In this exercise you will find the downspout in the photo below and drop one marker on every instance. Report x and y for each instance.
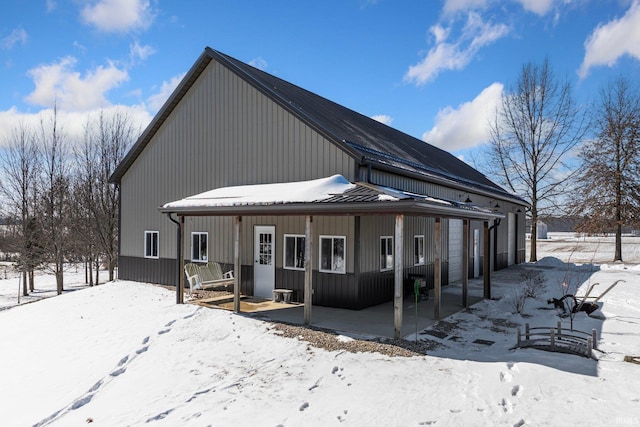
(179, 292)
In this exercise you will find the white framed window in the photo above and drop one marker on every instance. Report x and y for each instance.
(418, 250)
(333, 251)
(151, 239)
(294, 252)
(199, 246)
(386, 253)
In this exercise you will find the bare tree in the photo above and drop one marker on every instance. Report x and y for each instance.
(20, 166)
(107, 140)
(609, 180)
(55, 206)
(536, 125)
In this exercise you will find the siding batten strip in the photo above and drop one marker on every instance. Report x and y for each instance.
(398, 273)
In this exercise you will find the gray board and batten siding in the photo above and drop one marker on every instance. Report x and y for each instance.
(230, 124)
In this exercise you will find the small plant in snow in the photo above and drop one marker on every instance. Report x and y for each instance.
(534, 284)
(517, 300)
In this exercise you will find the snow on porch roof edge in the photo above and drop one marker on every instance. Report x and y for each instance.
(333, 195)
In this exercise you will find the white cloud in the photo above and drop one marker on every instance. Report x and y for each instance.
(383, 118)
(453, 6)
(608, 42)
(51, 5)
(16, 36)
(118, 15)
(466, 126)
(156, 101)
(71, 122)
(539, 7)
(139, 52)
(58, 83)
(259, 63)
(457, 54)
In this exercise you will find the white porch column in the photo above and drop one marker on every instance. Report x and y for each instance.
(308, 269)
(237, 264)
(486, 269)
(398, 274)
(465, 261)
(437, 270)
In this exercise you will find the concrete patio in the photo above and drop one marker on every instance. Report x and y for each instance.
(377, 321)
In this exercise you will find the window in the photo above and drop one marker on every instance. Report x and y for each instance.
(332, 254)
(151, 244)
(293, 252)
(199, 246)
(418, 250)
(386, 253)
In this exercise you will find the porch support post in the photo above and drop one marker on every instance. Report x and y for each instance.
(486, 265)
(308, 269)
(398, 260)
(180, 284)
(237, 265)
(465, 261)
(437, 270)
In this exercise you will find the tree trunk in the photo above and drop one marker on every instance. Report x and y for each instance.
(97, 270)
(533, 256)
(59, 276)
(31, 280)
(618, 254)
(111, 269)
(25, 290)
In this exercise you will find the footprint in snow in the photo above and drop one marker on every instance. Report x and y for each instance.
(516, 390)
(506, 377)
(304, 406)
(507, 406)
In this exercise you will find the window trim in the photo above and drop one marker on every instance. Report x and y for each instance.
(295, 256)
(417, 255)
(386, 266)
(200, 233)
(148, 252)
(344, 249)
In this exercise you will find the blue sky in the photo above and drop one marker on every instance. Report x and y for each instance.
(433, 69)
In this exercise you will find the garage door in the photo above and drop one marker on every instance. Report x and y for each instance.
(455, 250)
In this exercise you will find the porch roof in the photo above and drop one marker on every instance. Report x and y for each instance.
(333, 195)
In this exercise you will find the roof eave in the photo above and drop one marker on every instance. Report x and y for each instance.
(408, 207)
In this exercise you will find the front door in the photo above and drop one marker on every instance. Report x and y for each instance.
(264, 261)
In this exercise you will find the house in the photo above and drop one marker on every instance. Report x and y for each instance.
(401, 207)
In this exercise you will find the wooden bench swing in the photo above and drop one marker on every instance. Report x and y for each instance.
(207, 276)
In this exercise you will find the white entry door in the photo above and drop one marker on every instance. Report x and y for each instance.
(264, 261)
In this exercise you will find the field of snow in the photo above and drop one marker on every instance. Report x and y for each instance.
(124, 353)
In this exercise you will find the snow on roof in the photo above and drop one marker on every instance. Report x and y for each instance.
(267, 194)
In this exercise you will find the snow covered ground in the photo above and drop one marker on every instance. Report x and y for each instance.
(124, 354)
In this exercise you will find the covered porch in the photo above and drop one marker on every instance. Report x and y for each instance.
(336, 196)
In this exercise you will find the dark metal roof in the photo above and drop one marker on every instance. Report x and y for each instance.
(365, 139)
